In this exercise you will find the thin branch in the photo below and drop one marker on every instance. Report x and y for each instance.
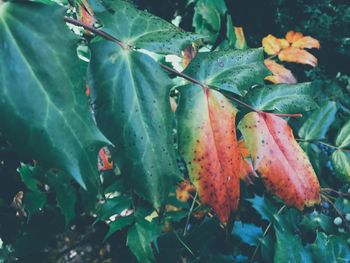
(167, 68)
(97, 32)
(183, 243)
(288, 114)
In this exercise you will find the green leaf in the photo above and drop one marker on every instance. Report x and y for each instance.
(34, 202)
(27, 173)
(66, 201)
(43, 109)
(235, 37)
(232, 70)
(140, 236)
(343, 137)
(140, 29)
(207, 18)
(341, 162)
(131, 95)
(264, 207)
(330, 249)
(267, 247)
(316, 220)
(317, 125)
(316, 156)
(288, 248)
(284, 98)
(113, 206)
(118, 224)
(248, 233)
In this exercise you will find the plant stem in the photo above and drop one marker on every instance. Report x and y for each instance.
(326, 144)
(167, 68)
(189, 214)
(288, 114)
(97, 32)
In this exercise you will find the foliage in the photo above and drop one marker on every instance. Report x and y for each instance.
(85, 106)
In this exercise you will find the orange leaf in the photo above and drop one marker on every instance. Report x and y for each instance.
(247, 171)
(297, 55)
(306, 42)
(184, 190)
(208, 144)
(292, 36)
(280, 73)
(271, 45)
(188, 54)
(240, 42)
(105, 161)
(173, 104)
(283, 43)
(279, 159)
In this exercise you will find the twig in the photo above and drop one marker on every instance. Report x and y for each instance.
(96, 31)
(167, 68)
(190, 213)
(183, 243)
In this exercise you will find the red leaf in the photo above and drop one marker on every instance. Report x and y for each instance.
(208, 144)
(280, 161)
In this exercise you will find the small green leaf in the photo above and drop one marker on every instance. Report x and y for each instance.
(140, 236)
(284, 98)
(317, 125)
(66, 201)
(207, 18)
(28, 177)
(231, 70)
(316, 220)
(113, 206)
(248, 233)
(118, 224)
(288, 248)
(34, 202)
(330, 249)
(141, 29)
(343, 138)
(264, 207)
(316, 156)
(341, 162)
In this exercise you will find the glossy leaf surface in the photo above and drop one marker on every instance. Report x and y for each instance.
(317, 125)
(141, 29)
(207, 142)
(279, 159)
(43, 108)
(284, 98)
(232, 70)
(132, 108)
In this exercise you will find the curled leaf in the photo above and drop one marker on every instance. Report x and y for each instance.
(271, 45)
(105, 161)
(188, 54)
(280, 161)
(240, 41)
(293, 54)
(293, 36)
(306, 42)
(208, 145)
(280, 73)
